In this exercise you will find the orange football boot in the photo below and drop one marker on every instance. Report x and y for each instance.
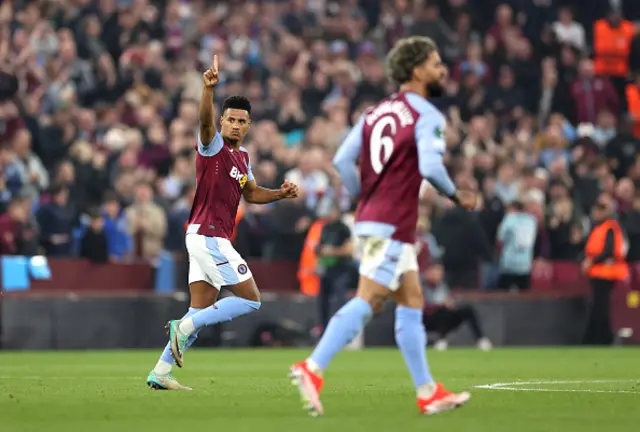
(442, 400)
(309, 385)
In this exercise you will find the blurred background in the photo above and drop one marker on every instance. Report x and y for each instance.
(98, 121)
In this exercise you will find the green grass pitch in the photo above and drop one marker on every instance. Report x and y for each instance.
(246, 390)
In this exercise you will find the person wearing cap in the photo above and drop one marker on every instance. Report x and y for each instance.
(605, 264)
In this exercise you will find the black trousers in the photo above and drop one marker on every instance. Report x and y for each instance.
(620, 84)
(444, 320)
(598, 330)
(462, 277)
(335, 283)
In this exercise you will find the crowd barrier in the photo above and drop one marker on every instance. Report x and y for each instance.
(75, 275)
(92, 321)
(80, 276)
(65, 277)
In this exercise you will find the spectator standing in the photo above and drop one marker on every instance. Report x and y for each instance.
(591, 93)
(335, 264)
(119, 241)
(11, 227)
(612, 38)
(94, 244)
(564, 230)
(517, 240)
(147, 224)
(12, 174)
(465, 247)
(310, 176)
(605, 265)
(35, 177)
(289, 221)
(569, 31)
(56, 222)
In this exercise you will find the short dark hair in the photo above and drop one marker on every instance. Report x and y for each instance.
(406, 55)
(237, 102)
(94, 213)
(110, 196)
(517, 205)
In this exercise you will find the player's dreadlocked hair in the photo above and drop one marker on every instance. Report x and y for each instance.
(406, 55)
(237, 102)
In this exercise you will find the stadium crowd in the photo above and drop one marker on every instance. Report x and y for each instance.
(98, 117)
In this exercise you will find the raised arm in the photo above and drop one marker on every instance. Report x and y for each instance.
(207, 122)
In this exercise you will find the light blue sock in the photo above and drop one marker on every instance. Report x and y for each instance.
(412, 341)
(343, 327)
(224, 310)
(166, 354)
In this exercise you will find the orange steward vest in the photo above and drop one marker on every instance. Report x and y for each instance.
(633, 103)
(307, 276)
(611, 48)
(239, 216)
(616, 268)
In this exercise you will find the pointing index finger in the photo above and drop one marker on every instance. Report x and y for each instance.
(215, 63)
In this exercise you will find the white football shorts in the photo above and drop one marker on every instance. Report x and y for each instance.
(214, 260)
(385, 260)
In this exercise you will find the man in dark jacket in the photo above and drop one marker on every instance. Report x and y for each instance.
(56, 223)
(94, 246)
(465, 246)
(290, 220)
(335, 263)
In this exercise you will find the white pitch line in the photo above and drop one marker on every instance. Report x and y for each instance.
(515, 386)
(45, 378)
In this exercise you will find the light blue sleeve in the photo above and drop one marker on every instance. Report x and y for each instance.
(431, 147)
(250, 172)
(214, 146)
(345, 159)
(502, 229)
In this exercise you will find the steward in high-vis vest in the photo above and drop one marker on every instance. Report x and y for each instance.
(605, 265)
(611, 44)
(307, 275)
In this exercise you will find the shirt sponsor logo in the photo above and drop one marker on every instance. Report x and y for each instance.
(238, 176)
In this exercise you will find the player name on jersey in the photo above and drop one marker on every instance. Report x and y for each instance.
(399, 108)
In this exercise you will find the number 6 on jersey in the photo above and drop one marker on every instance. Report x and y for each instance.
(382, 142)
